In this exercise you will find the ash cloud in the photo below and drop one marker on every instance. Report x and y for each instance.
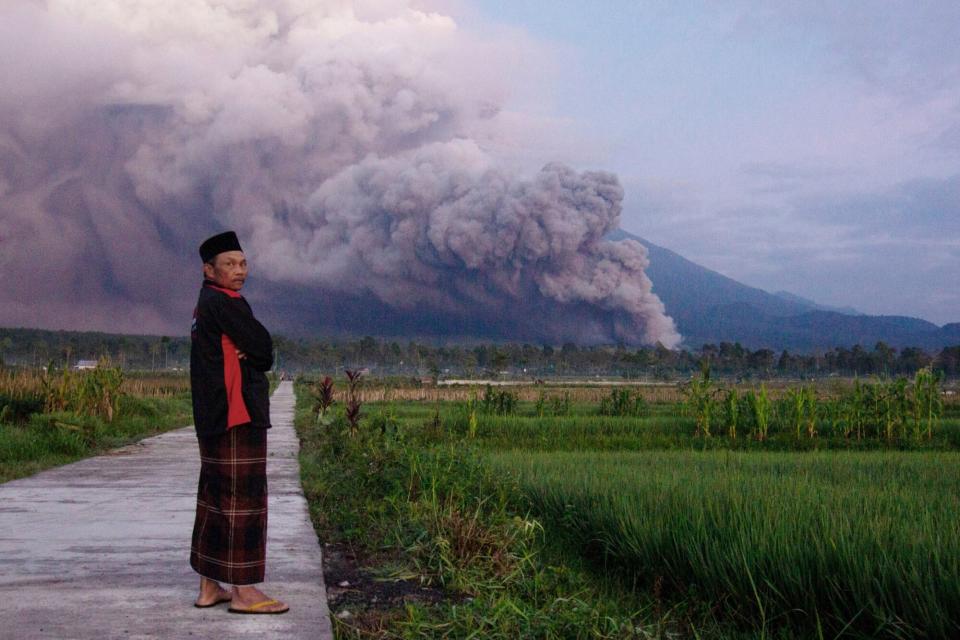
(349, 143)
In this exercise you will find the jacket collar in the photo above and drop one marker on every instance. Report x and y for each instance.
(209, 284)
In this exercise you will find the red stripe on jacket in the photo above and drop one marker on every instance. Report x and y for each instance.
(237, 413)
(236, 408)
(229, 292)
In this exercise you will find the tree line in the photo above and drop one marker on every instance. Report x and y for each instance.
(37, 348)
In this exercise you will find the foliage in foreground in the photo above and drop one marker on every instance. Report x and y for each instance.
(841, 542)
(429, 507)
(48, 420)
(693, 540)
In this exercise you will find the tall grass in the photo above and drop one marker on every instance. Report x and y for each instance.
(412, 498)
(847, 542)
(51, 418)
(718, 531)
(664, 428)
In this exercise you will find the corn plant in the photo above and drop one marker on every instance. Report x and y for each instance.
(873, 409)
(700, 394)
(927, 402)
(622, 402)
(836, 415)
(500, 402)
(95, 392)
(802, 408)
(472, 424)
(469, 409)
(561, 405)
(811, 412)
(759, 403)
(102, 389)
(731, 412)
(899, 406)
(856, 405)
(796, 401)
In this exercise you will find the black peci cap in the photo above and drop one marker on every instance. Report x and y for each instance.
(226, 241)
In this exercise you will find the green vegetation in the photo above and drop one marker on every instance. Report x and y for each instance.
(851, 542)
(892, 410)
(48, 419)
(423, 506)
(808, 511)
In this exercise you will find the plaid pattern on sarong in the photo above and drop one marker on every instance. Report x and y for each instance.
(230, 530)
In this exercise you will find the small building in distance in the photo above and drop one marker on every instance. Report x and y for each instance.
(85, 365)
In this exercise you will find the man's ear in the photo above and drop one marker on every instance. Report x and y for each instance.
(208, 271)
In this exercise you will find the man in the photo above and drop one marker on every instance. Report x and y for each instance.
(230, 352)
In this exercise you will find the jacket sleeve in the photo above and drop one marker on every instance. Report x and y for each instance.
(235, 319)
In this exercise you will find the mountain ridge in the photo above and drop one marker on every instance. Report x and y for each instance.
(709, 307)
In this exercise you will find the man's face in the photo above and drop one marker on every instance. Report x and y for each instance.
(229, 270)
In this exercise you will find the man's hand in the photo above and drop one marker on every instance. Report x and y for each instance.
(241, 354)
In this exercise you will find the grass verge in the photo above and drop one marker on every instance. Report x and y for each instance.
(406, 504)
(46, 440)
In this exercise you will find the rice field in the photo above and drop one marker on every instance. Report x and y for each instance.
(821, 531)
(864, 542)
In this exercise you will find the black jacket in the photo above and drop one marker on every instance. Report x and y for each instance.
(228, 391)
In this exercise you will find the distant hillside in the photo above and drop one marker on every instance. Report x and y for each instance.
(710, 307)
(814, 306)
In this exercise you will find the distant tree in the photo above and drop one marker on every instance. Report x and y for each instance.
(761, 361)
(912, 359)
(480, 353)
(368, 348)
(784, 362)
(6, 344)
(884, 357)
(948, 361)
(469, 361)
(396, 353)
(499, 360)
(164, 342)
(568, 348)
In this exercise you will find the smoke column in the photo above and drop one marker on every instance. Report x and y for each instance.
(350, 144)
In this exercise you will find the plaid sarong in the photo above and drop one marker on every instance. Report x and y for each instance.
(230, 530)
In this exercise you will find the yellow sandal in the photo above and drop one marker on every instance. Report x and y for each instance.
(255, 608)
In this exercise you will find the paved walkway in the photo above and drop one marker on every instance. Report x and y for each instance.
(100, 548)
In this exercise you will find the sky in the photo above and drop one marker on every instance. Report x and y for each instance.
(452, 166)
(812, 147)
(363, 151)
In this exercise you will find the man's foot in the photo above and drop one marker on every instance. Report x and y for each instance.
(211, 593)
(249, 599)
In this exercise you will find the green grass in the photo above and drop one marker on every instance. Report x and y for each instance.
(419, 504)
(663, 426)
(48, 440)
(864, 542)
(615, 527)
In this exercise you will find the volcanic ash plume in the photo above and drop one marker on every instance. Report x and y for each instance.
(351, 144)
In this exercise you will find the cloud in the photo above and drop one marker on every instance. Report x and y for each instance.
(891, 252)
(818, 155)
(353, 145)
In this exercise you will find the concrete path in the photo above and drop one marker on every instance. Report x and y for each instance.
(100, 548)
